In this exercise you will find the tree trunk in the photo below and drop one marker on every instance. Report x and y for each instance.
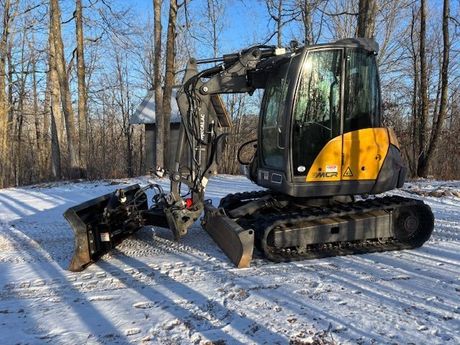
(3, 99)
(55, 111)
(21, 83)
(279, 23)
(307, 20)
(40, 153)
(423, 116)
(157, 87)
(66, 99)
(426, 159)
(366, 18)
(213, 15)
(82, 93)
(414, 124)
(46, 133)
(169, 75)
(55, 149)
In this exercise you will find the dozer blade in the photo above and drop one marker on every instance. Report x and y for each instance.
(237, 243)
(102, 223)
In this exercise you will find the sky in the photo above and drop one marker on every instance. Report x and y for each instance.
(245, 22)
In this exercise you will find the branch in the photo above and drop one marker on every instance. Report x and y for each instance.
(455, 20)
(69, 20)
(94, 40)
(27, 10)
(269, 38)
(74, 54)
(338, 14)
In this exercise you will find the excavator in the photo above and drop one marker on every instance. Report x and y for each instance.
(321, 154)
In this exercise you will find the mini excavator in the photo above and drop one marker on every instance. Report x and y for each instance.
(321, 153)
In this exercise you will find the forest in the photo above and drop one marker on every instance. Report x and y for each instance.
(73, 72)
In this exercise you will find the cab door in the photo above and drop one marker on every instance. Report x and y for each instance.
(273, 119)
(364, 144)
(316, 114)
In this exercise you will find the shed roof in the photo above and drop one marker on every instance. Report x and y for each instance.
(145, 112)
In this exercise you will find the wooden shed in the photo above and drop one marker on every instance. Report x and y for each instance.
(145, 115)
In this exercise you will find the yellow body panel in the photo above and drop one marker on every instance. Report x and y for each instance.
(356, 155)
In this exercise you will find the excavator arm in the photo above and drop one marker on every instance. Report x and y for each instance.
(203, 115)
(102, 223)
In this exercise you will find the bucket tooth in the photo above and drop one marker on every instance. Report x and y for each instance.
(94, 234)
(236, 242)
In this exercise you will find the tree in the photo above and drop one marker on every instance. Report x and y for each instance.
(366, 18)
(169, 73)
(307, 10)
(424, 101)
(275, 10)
(82, 93)
(123, 100)
(54, 109)
(66, 99)
(4, 104)
(428, 148)
(160, 123)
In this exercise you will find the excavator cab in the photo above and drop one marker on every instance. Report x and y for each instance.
(320, 144)
(320, 122)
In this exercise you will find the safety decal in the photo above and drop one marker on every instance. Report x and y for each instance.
(332, 168)
(348, 173)
(105, 237)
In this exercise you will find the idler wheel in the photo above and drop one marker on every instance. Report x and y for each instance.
(413, 225)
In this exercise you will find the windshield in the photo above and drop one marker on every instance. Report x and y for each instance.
(317, 106)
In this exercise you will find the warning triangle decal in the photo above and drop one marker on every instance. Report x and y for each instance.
(348, 172)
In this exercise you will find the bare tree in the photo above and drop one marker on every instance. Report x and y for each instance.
(123, 100)
(366, 18)
(427, 153)
(214, 10)
(341, 18)
(169, 73)
(66, 100)
(55, 110)
(282, 13)
(82, 93)
(20, 114)
(4, 106)
(160, 123)
(41, 150)
(308, 8)
(424, 101)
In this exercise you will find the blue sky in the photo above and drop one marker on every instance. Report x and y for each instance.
(245, 22)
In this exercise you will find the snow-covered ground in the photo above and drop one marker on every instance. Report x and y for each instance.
(153, 290)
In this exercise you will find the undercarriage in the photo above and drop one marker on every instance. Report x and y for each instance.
(280, 227)
(288, 229)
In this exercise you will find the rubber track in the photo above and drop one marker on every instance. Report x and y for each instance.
(232, 201)
(270, 220)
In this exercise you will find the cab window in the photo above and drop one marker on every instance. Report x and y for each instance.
(317, 106)
(273, 118)
(362, 96)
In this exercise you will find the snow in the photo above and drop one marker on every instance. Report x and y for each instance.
(152, 290)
